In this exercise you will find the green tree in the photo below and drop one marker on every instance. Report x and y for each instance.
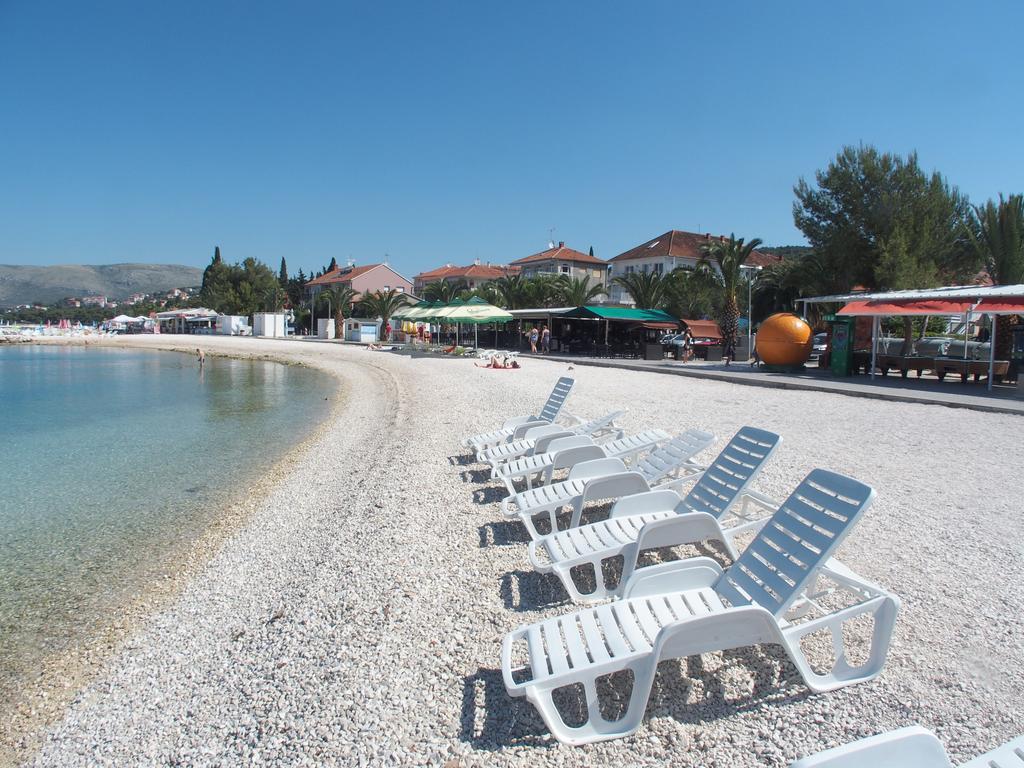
(342, 296)
(729, 256)
(217, 290)
(543, 291)
(692, 293)
(577, 291)
(332, 266)
(383, 304)
(877, 220)
(282, 275)
(997, 235)
(514, 291)
(646, 288)
(445, 291)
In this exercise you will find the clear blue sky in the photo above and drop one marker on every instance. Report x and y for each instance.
(434, 132)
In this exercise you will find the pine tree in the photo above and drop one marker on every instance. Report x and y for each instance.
(591, 250)
(216, 254)
(282, 276)
(333, 266)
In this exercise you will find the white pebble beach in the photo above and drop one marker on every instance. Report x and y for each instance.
(356, 616)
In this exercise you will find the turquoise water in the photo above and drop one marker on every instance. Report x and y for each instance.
(113, 461)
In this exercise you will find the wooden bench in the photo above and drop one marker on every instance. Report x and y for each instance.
(968, 368)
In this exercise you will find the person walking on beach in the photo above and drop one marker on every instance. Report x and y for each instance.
(730, 349)
(545, 340)
(201, 357)
(534, 335)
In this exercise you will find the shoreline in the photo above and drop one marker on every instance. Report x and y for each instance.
(45, 695)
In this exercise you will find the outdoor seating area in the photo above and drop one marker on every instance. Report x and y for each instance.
(780, 583)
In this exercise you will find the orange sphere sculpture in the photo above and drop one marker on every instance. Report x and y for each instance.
(784, 339)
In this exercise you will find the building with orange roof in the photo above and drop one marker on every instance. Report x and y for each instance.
(561, 260)
(368, 278)
(666, 252)
(475, 275)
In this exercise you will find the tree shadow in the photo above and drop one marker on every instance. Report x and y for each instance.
(531, 591)
(503, 534)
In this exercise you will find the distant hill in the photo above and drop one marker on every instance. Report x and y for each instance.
(21, 285)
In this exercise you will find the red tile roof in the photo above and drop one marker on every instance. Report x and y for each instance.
(472, 272)
(341, 275)
(687, 245)
(561, 253)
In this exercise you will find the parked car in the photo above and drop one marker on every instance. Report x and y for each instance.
(819, 345)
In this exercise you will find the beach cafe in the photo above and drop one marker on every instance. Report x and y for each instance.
(856, 342)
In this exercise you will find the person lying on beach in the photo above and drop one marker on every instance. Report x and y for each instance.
(374, 347)
(495, 362)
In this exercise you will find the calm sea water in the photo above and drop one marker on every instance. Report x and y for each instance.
(112, 462)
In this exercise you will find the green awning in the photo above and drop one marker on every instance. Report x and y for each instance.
(626, 314)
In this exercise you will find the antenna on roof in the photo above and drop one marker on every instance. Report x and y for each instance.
(551, 237)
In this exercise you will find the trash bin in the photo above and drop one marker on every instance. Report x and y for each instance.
(678, 352)
(714, 353)
(654, 351)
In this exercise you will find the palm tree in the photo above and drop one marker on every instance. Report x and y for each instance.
(488, 292)
(692, 293)
(382, 304)
(341, 296)
(513, 291)
(444, 290)
(729, 256)
(997, 233)
(646, 288)
(575, 291)
(543, 291)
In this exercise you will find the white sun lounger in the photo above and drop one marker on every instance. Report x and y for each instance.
(513, 428)
(605, 479)
(663, 519)
(567, 452)
(689, 607)
(531, 442)
(913, 747)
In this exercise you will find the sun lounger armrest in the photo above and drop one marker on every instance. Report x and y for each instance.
(526, 426)
(675, 576)
(689, 528)
(852, 582)
(896, 749)
(646, 503)
(607, 487)
(517, 421)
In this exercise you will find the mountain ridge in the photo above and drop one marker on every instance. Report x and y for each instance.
(22, 284)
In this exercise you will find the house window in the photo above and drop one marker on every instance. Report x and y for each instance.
(629, 269)
(658, 268)
(565, 269)
(645, 268)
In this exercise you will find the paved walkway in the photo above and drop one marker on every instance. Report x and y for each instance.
(951, 393)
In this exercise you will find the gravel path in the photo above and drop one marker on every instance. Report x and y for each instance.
(356, 619)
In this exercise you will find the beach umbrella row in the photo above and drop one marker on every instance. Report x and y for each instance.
(474, 312)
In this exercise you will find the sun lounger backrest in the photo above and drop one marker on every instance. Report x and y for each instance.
(557, 399)
(663, 461)
(600, 424)
(731, 473)
(801, 536)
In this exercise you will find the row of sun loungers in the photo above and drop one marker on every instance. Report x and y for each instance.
(771, 593)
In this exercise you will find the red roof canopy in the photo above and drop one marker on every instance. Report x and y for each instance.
(993, 306)
(888, 308)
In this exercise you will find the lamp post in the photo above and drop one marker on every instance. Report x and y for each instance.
(750, 285)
